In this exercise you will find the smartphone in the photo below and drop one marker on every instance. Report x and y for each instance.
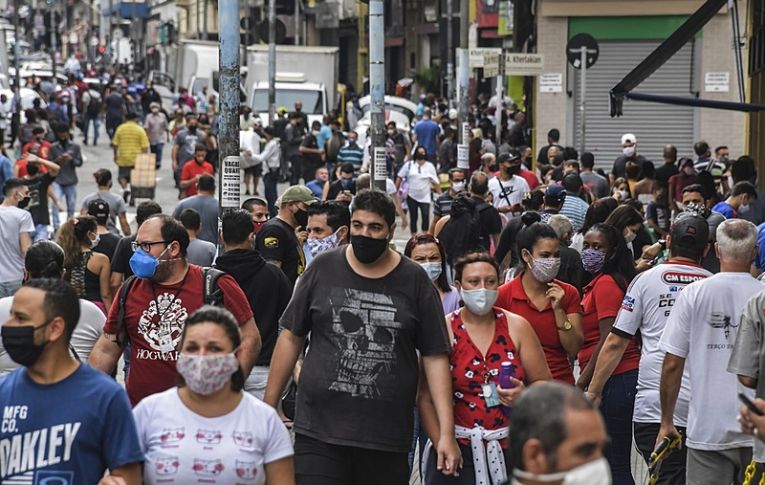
(748, 403)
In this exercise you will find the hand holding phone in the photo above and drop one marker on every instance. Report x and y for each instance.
(750, 405)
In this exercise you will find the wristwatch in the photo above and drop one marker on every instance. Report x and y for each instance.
(566, 326)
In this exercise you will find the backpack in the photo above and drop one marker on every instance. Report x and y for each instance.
(94, 106)
(462, 233)
(211, 293)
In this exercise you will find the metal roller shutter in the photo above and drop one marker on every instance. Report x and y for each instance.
(654, 125)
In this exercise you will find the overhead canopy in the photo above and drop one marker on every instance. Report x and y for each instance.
(660, 55)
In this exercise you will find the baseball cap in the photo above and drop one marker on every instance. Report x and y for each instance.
(555, 192)
(689, 231)
(509, 156)
(99, 209)
(628, 138)
(297, 193)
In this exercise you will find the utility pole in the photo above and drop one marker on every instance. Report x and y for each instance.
(450, 53)
(229, 170)
(54, 31)
(16, 64)
(377, 92)
(297, 22)
(204, 21)
(463, 76)
(271, 61)
(500, 98)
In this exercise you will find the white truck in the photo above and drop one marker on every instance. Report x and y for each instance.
(303, 73)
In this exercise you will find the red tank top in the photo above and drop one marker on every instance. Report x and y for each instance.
(470, 370)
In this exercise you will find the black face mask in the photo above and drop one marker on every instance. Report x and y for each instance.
(367, 249)
(23, 203)
(514, 169)
(33, 169)
(301, 218)
(192, 129)
(19, 342)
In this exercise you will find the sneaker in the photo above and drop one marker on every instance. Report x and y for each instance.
(126, 195)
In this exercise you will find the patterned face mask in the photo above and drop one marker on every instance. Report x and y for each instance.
(206, 374)
(318, 246)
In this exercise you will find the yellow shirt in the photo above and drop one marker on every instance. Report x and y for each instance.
(130, 140)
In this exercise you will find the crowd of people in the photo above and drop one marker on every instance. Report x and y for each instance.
(291, 341)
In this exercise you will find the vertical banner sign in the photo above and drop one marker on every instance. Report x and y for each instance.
(381, 171)
(463, 160)
(465, 133)
(230, 183)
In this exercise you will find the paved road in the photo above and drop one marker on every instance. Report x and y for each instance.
(101, 156)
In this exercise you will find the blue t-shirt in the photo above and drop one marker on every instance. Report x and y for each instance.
(316, 187)
(725, 209)
(67, 433)
(760, 261)
(427, 131)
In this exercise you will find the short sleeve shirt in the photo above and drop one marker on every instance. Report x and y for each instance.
(116, 206)
(13, 221)
(702, 329)
(277, 241)
(191, 170)
(121, 260)
(130, 140)
(602, 299)
(512, 297)
(68, 432)
(183, 447)
(359, 377)
(187, 142)
(38, 198)
(155, 316)
(508, 192)
(420, 179)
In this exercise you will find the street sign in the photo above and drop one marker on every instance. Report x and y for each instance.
(551, 83)
(230, 183)
(574, 50)
(463, 156)
(717, 82)
(381, 170)
(518, 64)
(478, 57)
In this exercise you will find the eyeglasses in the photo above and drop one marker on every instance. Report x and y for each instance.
(146, 246)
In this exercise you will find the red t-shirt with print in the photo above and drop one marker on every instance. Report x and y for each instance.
(154, 319)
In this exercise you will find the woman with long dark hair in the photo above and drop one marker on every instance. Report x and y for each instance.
(597, 212)
(606, 257)
(427, 251)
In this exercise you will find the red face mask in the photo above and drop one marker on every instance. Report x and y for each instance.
(257, 225)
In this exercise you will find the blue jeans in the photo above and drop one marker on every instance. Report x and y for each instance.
(68, 193)
(41, 233)
(86, 127)
(270, 179)
(157, 151)
(8, 288)
(616, 406)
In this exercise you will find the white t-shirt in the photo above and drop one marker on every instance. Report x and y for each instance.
(702, 328)
(420, 179)
(13, 221)
(509, 192)
(183, 447)
(645, 308)
(390, 187)
(89, 329)
(249, 140)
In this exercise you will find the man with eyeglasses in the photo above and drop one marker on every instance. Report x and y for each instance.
(166, 291)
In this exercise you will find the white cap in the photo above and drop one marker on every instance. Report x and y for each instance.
(452, 114)
(628, 138)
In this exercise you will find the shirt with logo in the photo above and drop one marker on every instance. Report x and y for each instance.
(277, 241)
(702, 329)
(155, 316)
(66, 433)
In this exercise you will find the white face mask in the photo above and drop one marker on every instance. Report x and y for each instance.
(593, 473)
(743, 209)
(624, 194)
(479, 301)
(630, 236)
(628, 151)
(433, 269)
(458, 186)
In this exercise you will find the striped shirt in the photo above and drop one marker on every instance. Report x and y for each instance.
(130, 140)
(351, 153)
(575, 209)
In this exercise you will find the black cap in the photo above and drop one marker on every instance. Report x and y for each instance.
(99, 209)
(689, 231)
(510, 156)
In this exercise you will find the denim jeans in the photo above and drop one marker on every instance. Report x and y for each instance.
(86, 127)
(66, 193)
(617, 406)
(41, 233)
(270, 179)
(8, 288)
(157, 151)
(256, 381)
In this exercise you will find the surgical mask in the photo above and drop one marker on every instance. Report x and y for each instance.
(545, 269)
(94, 242)
(318, 246)
(630, 236)
(368, 249)
(315, 132)
(143, 264)
(458, 186)
(433, 269)
(624, 194)
(351, 141)
(596, 472)
(628, 151)
(743, 209)
(155, 110)
(391, 132)
(479, 301)
(206, 374)
(593, 260)
(19, 342)
(689, 170)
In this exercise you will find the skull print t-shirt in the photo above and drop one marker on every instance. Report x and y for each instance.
(359, 377)
(183, 447)
(154, 319)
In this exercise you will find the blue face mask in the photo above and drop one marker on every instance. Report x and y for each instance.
(143, 264)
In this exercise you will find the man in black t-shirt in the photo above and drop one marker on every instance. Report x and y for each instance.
(311, 153)
(277, 239)
(38, 184)
(443, 205)
(368, 310)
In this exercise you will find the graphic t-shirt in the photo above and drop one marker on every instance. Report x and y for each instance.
(187, 142)
(702, 328)
(508, 192)
(183, 447)
(277, 241)
(38, 198)
(645, 309)
(154, 319)
(67, 433)
(359, 378)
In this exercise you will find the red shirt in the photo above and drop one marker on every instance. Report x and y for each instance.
(603, 299)
(530, 178)
(22, 163)
(190, 170)
(152, 368)
(470, 370)
(43, 152)
(512, 297)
